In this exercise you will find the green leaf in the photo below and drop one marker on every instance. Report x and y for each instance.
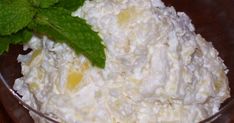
(71, 5)
(61, 26)
(46, 30)
(14, 15)
(5, 1)
(4, 46)
(43, 3)
(20, 37)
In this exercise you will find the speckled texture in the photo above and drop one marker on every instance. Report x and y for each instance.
(208, 23)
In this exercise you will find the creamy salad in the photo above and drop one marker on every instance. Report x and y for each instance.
(158, 70)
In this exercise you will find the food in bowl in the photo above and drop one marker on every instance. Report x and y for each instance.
(157, 69)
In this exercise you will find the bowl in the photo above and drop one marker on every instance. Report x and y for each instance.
(214, 20)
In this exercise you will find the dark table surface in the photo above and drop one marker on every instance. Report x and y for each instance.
(213, 19)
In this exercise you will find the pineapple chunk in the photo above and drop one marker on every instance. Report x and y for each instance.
(85, 66)
(218, 85)
(74, 78)
(33, 86)
(126, 15)
(34, 55)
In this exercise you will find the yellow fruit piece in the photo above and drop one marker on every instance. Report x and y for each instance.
(126, 15)
(218, 85)
(34, 55)
(33, 86)
(74, 78)
(85, 66)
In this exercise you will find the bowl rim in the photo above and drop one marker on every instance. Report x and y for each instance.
(25, 105)
(29, 108)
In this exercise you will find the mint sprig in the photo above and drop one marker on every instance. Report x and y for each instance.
(14, 15)
(52, 18)
(43, 3)
(54, 21)
(70, 4)
(20, 37)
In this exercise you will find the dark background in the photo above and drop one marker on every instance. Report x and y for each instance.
(213, 19)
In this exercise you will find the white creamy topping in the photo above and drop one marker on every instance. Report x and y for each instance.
(157, 69)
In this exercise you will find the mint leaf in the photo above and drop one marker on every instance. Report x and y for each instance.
(20, 37)
(61, 26)
(4, 46)
(5, 1)
(43, 3)
(71, 5)
(45, 29)
(14, 15)
(52, 18)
